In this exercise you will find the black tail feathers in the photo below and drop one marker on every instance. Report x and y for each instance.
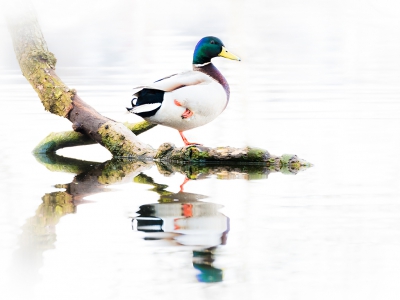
(133, 103)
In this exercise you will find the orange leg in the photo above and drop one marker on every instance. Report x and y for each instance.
(184, 182)
(187, 143)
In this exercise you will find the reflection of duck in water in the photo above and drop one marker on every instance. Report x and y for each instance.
(189, 222)
(203, 262)
(195, 222)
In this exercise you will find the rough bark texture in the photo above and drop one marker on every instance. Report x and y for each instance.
(168, 152)
(59, 140)
(227, 155)
(38, 67)
(36, 62)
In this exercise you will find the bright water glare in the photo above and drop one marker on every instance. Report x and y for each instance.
(319, 79)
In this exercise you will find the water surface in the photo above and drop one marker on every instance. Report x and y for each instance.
(319, 80)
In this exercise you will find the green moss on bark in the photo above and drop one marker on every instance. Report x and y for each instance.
(59, 140)
(257, 155)
(37, 66)
(168, 152)
(140, 127)
(113, 137)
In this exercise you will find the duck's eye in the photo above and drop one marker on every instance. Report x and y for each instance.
(212, 42)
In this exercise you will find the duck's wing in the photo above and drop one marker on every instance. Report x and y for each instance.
(176, 81)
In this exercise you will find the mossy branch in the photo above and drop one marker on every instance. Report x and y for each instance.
(200, 154)
(37, 64)
(59, 140)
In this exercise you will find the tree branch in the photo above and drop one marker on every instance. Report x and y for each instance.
(38, 67)
(168, 152)
(59, 140)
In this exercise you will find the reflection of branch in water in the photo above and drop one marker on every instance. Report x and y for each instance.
(38, 235)
(93, 179)
(39, 232)
(57, 163)
(166, 196)
(249, 171)
(177, 212)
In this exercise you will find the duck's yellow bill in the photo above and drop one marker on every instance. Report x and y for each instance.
(225, 53)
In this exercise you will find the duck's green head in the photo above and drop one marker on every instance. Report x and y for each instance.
(210, 47)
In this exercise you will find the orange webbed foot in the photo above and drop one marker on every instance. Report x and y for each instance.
(187, 114)
(187, 143)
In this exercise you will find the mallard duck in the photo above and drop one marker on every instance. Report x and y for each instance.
(190, 99)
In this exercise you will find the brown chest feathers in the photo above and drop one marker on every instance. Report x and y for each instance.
(213, 72)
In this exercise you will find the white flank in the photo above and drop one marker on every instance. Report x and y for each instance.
(145, 108)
